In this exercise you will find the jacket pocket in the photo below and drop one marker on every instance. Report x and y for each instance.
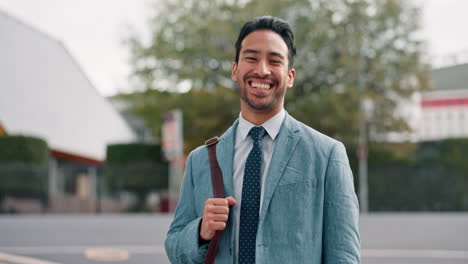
(295, 176)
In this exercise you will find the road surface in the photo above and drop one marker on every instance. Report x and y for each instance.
(411, 238)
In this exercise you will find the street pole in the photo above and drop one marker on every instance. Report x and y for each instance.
(173, 147)
(362, 157)
(362, 151)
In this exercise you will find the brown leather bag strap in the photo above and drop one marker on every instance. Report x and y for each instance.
(218, 192)
(216, 174)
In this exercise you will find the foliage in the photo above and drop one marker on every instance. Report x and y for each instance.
(23, 149)
(205, 113)
(137, 168)
(431, 176)
(342, 45)
(23, 167)
(453, 152)
(20, 179)
(123, 154)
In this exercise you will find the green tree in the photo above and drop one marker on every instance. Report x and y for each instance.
(192, 44)
(205, 113)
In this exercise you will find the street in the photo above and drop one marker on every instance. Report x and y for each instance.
(139, 238)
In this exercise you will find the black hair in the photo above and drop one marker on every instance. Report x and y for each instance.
(274, 24)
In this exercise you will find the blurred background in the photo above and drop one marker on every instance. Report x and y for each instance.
(101, 101)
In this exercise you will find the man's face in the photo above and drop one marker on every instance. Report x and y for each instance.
(262, 73)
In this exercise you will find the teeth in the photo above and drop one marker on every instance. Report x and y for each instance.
(263, 86)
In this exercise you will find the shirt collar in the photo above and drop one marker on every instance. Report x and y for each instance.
(272, 125)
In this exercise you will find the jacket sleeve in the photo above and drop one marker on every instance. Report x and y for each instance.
(182, 244)
(341, 241)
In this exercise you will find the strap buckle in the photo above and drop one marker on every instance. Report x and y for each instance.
(211, 141)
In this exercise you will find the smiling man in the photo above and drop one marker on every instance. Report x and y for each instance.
(289, 189)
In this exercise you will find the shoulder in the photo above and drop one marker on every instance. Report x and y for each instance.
(198, 155)
(313, 140)
(310, 135)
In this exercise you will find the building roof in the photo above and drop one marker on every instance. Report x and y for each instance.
(45, 93)
(451, 78)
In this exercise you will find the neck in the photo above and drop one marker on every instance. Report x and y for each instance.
(258, 117)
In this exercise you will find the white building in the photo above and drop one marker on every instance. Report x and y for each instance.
(444, 111)
(45, 93)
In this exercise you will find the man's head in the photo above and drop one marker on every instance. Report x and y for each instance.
(274, 24)
(263, 67)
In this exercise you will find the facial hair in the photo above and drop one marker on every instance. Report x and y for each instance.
(277, 95)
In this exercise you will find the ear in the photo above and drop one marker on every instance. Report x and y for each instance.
(234, 71)
(291, 76)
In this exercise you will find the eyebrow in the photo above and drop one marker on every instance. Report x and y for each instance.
(251, 51)
(276, 54)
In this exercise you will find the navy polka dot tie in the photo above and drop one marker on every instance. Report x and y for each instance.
(250, 204)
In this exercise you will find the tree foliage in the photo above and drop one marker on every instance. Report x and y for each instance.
(342, 45)
(205, 113)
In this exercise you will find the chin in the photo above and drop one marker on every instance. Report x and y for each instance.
(260, 107)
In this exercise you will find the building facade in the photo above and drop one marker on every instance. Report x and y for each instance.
(44, 93)
(444, 111)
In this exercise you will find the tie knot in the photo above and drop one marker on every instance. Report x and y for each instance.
(257, 133)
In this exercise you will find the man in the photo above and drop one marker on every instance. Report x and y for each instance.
(290, 194)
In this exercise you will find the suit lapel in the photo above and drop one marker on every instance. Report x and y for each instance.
(285, 145)
(225, 156)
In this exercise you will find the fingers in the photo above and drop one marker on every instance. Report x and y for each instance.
(219, 217)
(231, 201)
(218, 226)
(216, 209)
(228, 201)
(217, 201)
(215, 216)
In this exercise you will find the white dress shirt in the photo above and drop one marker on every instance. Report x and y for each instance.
(242, 149)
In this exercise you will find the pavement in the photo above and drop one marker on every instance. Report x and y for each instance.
(411, 238)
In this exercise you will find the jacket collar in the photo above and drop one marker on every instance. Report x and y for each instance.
(225, 155)
(284, 147)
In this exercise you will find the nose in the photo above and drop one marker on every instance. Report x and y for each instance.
(262, 68)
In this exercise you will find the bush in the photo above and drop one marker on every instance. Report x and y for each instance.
(23, 167)
(137, 168)
(430, 176)
(23, 149)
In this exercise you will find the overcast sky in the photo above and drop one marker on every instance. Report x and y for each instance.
(92, 30)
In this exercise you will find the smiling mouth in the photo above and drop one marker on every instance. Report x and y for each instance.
(263, 86)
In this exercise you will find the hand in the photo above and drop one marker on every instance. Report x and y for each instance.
(215, 216)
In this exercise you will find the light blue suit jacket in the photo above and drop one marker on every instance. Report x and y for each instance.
(309, 213)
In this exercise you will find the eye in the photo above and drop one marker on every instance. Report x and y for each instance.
(275, 62)
(250, 58)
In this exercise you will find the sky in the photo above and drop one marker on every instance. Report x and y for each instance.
(93, 31)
